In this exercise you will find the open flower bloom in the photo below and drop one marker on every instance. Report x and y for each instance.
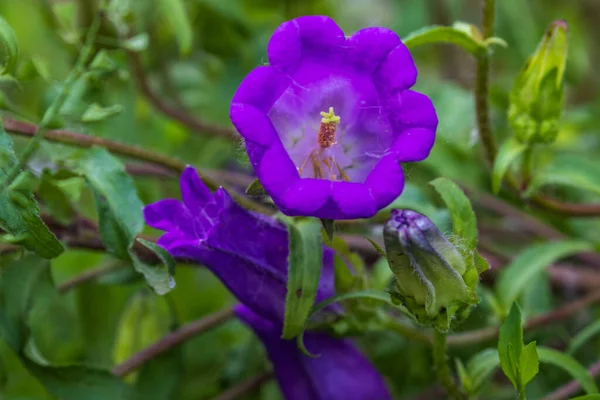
(328, 122)
(248, 252)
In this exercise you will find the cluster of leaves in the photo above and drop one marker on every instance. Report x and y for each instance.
(61, 340)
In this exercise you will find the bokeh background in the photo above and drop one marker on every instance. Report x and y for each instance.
(92, 322)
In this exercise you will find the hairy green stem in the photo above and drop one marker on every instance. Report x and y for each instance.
(442, 369)
(482, 86)
(56, 105)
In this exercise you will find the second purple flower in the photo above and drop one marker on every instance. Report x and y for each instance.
(331, 118)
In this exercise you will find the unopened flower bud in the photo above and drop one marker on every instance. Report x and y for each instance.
(537, 95)
(433, 281)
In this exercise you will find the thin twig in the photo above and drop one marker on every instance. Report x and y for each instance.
(246, 387)
(176, 113)
(173, 339)
(573, 387)
(552, 317)
(134, 152)
(82, 140)
(88, 276)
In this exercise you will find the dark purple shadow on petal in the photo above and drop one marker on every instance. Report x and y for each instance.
(341, 372)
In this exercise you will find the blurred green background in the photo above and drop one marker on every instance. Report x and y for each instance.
(229, 38)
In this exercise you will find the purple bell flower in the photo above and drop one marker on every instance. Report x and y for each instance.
(331, 118)
(248, 252)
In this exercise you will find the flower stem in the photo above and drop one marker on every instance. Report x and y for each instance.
(526, 168)
(408, 332)
(56, 105)
(442, 369)
(482, 86)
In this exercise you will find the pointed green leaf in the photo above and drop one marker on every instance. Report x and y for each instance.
(377, 247)
(463, 376)
(304, 270)
(507, 154)
(95, 112)
(582, 337)
(9, 49)
(161, 276)
(568, 170)
(510, 344)
(529, 363)
(464, 224)
(120, 214)
(255, 189)
(570, 365)
(446, 34)
(328, 225)
(529, 263)
(177, 17)
(19, 212)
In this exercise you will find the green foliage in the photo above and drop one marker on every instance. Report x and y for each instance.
(120, 215)
(9, 48)
(569, 364)
(305, 261)
(516, 276)
(567, 170)
(507, 154)
(519, 363)
(19, 212)
(466, 36)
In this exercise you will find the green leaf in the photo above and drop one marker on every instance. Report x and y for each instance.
(56, 198)
(255, 189)
(159, 379)
(570, 365)
(120, 215)
(377, 247)
(510, 345)
(508, 152)
(26, 290)
(137, 43)
(567, 170)
(464, 224)
(463, 376)
(529, 363)
(9, 48)
(79, 382)
(304, 270)
(19, 212)
(375, 295)
(481, 366)
(176, 15)
(582, 337)
(461, 34)
(96, 112)
(145, 320)
(529, 263)
(328, 227)
(161, 276)
(587, 397)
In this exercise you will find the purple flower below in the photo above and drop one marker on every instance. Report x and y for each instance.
(328, 122)
(248, 252)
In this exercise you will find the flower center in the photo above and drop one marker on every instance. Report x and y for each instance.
(329, 122)
(321, 158)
